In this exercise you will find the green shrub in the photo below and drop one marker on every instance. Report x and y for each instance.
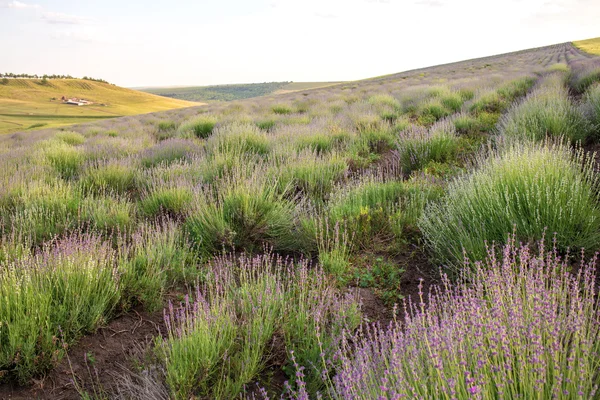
(528, 188)
(221, 339)
(487, 121)
(559, 67)
(366, 122)
(157, 258)
(490, 102)
(375, 212)
(581, 81)
(166, 129)
(318, 142)
(173, 201)
(499, 100)
(515, 89)
(201, 126)
(42, 210)
(107, 214)
(466, 124)
(64, 158)
(119, 178)
(69, 137)
(432, 111)
(419, 146)
(237, 139)
(385, 100)
(51, 299)
(376, 141)
(389, 116)
(166, 125)
(266, 124)
(222, 164)
(546, 112)
(244, 215)
(282, 109)
(466, 94)
(168, 152)
(311, 175)
(452, 101)
(591, 108)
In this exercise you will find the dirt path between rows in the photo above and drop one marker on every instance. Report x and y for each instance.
(107, 351)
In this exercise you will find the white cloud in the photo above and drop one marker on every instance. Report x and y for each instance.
(20, 5)
(61, 18)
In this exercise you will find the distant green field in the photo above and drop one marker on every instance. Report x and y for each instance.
(591, 46)
(30, 103)
(233, 92)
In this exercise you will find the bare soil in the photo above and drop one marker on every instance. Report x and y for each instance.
(97, 359)
(106, 351)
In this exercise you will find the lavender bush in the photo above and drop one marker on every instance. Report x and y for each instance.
(519, 326)
(218, 342)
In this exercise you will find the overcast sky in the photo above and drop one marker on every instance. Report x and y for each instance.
(159, 43)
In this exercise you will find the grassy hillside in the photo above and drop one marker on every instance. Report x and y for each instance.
(30, 103)
(591, 46)
(233, 92)
(296, 86)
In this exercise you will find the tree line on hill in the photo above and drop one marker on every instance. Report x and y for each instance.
(218, 92)
(7, 75)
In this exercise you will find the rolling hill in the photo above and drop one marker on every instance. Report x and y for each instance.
(233, 92)
(591, 46)
(31, 103)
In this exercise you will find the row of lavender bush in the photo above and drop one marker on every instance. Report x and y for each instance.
(102, 217)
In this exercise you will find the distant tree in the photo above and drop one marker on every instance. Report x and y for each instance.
(5, 81)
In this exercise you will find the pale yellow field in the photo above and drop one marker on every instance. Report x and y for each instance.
(591, 46)
(30, 104)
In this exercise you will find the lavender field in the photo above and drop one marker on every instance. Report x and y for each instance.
(430, 234)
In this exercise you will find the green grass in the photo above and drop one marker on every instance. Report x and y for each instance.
(591, 46)
(282, 109)
(591, 108)
(107, 177)
(61, 295)
(64, 158)
(546, 112)
(201, 126)
(242, 214)
(221, 340)
(237, 139)
(417, 147)
(175, 201)
(531, 189)
(25, 103)
(498, 101)
(40, 210)
(107, 214)
(158, 258)
(168, 152)
(376, 213)
(311, 175)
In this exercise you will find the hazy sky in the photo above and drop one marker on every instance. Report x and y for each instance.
(159, 43)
